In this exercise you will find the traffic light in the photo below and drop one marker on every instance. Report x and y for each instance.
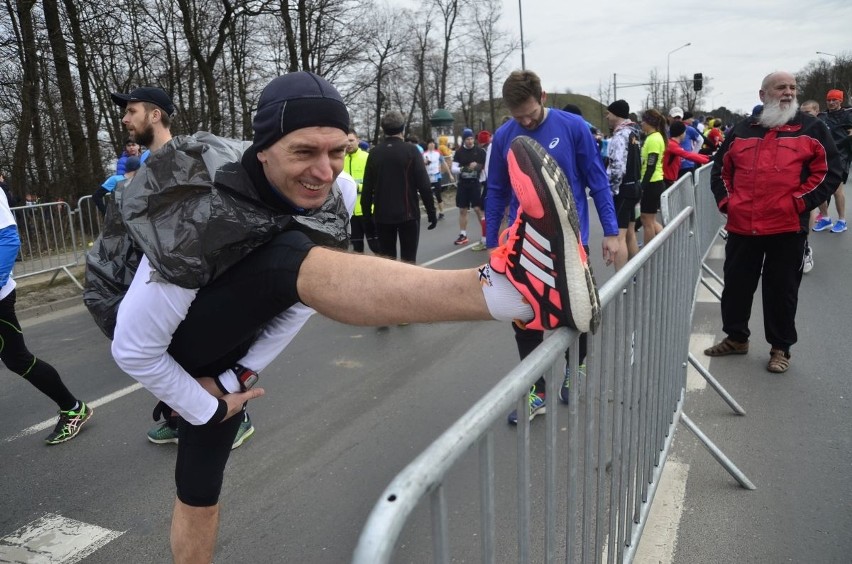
(697, 81)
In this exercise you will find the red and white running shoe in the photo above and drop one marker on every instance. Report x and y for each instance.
(543, 254)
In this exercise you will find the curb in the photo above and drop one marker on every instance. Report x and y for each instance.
(44, 309)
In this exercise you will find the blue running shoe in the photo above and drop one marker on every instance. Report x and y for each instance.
(537, 406)
(822, 223)
(839, 227)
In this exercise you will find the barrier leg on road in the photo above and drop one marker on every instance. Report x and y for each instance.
(720, 457)
(729, 399)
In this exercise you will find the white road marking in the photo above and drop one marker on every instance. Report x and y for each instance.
(54, 539)
(38, 427)
(659, 539)
(460, 250)
(697, 343)
(717, 251)
(703, 295)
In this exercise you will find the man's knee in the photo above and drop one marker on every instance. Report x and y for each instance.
(203, 453)
(20, 363)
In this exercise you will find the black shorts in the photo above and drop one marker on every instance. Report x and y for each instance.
(625, 211)
(651, 197)
(224, 320)
(468, 195)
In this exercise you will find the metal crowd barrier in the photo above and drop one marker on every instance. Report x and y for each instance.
(89, 223)
(604, 452)
(708, 224)
(48, 240)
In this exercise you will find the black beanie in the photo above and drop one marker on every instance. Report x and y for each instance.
(572, 109)
(619, 108)
(293, 101)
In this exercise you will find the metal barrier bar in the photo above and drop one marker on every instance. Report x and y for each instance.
(707, 220)
(486, 497)
(647, 384)
(89, 223)
(729, 399)
(48, 240)
(718, 454)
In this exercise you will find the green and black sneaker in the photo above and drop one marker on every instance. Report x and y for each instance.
(69, 424)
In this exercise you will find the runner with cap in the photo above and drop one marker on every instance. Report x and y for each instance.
(199, 345)
(692, 140)
(148, 113)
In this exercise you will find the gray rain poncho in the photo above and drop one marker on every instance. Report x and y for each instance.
(194, 212)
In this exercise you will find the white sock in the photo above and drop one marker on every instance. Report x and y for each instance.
(504, 302)
(463, 233)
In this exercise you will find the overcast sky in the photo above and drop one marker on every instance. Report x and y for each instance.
(735, 43)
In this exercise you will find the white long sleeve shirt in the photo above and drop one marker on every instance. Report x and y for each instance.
(149, 315)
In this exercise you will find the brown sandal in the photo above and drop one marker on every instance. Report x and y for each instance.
(726, 347)
(779, 361)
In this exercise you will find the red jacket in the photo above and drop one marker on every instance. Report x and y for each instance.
(767, 180)
(673, 156)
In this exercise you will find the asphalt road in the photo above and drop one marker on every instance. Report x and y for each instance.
(346, 408)
(795, 442)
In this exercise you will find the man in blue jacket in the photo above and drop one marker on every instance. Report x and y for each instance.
(566, 138)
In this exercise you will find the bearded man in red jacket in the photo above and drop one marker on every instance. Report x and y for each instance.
(769, 173)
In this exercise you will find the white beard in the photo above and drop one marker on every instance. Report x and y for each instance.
(773, 115)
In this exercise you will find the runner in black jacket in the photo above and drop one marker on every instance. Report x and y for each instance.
(394, 175)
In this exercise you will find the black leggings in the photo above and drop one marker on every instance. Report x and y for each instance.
(408, 233)
(18, 359)
(224, 320)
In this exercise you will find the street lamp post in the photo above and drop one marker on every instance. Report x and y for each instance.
(832, 67)
(668, 68)
(521, 22)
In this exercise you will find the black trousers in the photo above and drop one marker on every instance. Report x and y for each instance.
(778, 261)
(222, 323)
(528, 339)
(408, 234)
(357, 234)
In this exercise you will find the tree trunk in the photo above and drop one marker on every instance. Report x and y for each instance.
(95, 160)
(79, 170)
(303, 35)
(29, 97)
(289, 37)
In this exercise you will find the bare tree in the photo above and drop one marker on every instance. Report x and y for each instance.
(494, 45)
(79, 170)
(383, 54)
(450, 11)
(205, 45)
(656, 91)
(28, 132)
(822, 75)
